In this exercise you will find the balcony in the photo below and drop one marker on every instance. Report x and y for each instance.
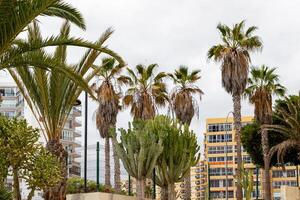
(77, 133)
(76, 111)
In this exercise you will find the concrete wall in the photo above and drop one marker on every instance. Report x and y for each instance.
(289, 193)
(98, 196)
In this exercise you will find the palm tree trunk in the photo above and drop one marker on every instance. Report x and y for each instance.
(17, 192)
(237, 125)
(117, 170)
(187, 186)
(171, 192)
(140, 189)
(265, 147)
(107, 162)
(58, 192)
(164, 193)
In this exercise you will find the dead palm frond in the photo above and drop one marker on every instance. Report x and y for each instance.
(146, 91)
(182, 99)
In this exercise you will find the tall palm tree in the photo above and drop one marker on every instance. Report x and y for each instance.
(51, 95)
(289, 115)
(146, 91)
(184, 104)
(262, 84)
(233, 52)
(108, 108)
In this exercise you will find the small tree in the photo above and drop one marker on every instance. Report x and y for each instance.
(180, 153)
(138, 150)
(26, 158)
(41, 171)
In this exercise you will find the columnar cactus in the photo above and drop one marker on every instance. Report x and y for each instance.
(179, 154)
(138, 150)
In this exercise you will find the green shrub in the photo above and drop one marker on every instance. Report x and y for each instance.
(5, 194)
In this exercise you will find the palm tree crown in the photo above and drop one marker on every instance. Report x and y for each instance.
(262, 84)
(288, 114)
(107, 96)
(145, 92)
(234, 54)
(181, 98)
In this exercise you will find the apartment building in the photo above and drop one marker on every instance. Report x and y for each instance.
(219, 135)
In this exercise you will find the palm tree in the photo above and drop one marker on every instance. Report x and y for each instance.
(288, 112)
(262, 84)
(51, 95)
(233, 52)
(146, 91)
(108, 100)
(183, 103)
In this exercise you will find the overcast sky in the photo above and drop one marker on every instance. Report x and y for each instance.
(179, 32)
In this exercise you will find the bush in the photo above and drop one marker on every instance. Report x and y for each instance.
(76, 185)
(5, 194)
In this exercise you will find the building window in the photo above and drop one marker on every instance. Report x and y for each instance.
(219, 127)
(278, 184)
(219, 159)
(221, 194)
(219, 149)
(220, 138)
(220, 171)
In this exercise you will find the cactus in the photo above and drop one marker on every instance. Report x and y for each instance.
(179, 154)
(247, 182)
(138, 150)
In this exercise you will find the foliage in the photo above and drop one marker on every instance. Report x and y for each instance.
(108, 107)
(247, 182)
(50, 94)
(5, 194)
(262, 84)
(181, 98)
(234, 55)
(146, 91)
(181, 151)
(42, 171)
(107, 96)
(25, 157)
(76, 185)
(289, 115)
(16, 15)
(251, 136)
(139, 150)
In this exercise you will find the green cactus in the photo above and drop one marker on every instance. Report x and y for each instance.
(138, 150)
(247, 182)
(179, 154)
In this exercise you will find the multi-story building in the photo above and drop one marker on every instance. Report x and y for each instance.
(12, 101)
(220, 135)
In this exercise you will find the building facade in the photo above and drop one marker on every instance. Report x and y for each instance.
(220, 136)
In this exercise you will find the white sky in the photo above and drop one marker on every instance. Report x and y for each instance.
(175, 32)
